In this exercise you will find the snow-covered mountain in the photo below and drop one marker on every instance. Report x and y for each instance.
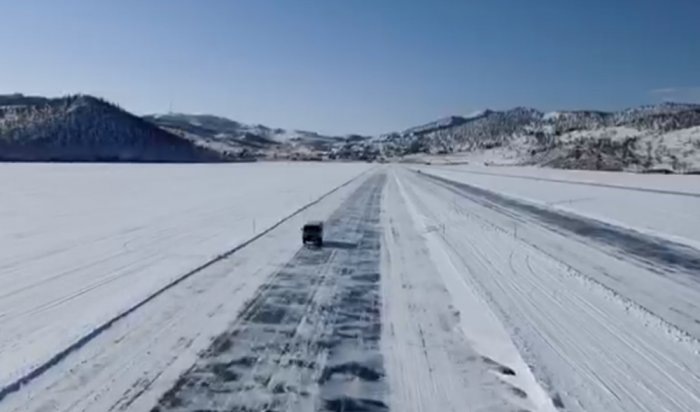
(85, 128)
(664, 137)
(657, 137)
(228, 135)
(439, 124)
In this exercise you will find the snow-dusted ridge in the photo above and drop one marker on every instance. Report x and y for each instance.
(648, 138)
(85, 128)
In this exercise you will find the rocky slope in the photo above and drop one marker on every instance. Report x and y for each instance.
(85, 128)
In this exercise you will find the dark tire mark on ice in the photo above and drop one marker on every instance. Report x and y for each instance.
(354, 405)
(334, 244)
(309, 339)
(502, 369)
(645, 248)
(576, 183)
(558, 403)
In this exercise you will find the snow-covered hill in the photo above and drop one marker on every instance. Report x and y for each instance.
(657, 138)
(227, 135)
(663, 137)
(85, 128)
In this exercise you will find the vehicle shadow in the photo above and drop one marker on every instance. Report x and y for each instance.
(334, 244)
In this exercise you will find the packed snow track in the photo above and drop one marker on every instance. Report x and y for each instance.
(434, 291)
(311, 333)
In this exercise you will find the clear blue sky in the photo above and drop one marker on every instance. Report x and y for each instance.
(366, 66)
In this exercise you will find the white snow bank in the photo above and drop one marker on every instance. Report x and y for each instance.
(477, 322)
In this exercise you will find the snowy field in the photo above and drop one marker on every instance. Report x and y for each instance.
(664, 205)
(456, 288)
(82, 243)
(602, 325)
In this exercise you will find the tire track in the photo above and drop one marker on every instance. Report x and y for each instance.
(309, 339)
(645, 248)
(575, 182)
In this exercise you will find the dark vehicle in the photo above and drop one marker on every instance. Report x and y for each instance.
(313, 233)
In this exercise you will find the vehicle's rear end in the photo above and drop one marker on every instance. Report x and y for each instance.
(313, 233)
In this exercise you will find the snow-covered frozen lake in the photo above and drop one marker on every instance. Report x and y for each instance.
(457, 287)
(82, 242)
